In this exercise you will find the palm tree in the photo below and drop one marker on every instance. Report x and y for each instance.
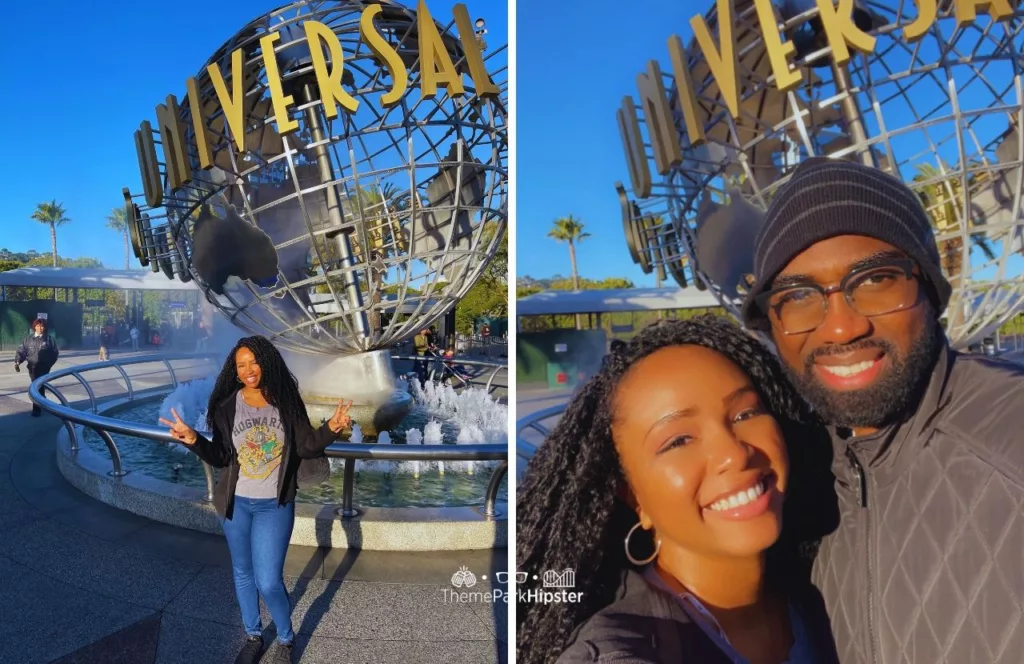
(116, 221)
(570, 230)
(54, 214)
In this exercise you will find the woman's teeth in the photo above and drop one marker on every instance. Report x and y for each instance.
(848, 370)
(738, 498)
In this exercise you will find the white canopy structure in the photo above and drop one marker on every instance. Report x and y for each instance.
(82, 277)
(554, 302)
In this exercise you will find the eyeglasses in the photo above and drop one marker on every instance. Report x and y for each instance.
(873, 291)
(502, 577)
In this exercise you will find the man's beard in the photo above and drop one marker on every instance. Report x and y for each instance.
(881, 403)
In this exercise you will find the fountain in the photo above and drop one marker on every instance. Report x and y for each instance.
(439, 415)
(335, 260)
(337, 234)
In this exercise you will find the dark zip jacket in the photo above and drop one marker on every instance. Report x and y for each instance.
(927, 564)
(302, 441)
(646, 625)
(40, 353)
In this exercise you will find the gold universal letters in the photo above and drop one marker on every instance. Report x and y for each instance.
(331, 93)
(687, 93)
(927, 10)
(660, 127)
(485, 87)
(172, 138)
(232, 102)
(841, 30)
(633, 142)
(199, 125)
(285, 124)
(385, 54)
(435, 64)
(967, 10)
(778, 51)
(436, 69)
(146, 151)
(722, 60)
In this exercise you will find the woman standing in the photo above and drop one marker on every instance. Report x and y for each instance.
(662, 488)
(261, 433)
(39, 351)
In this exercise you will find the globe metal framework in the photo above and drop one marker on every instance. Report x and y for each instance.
(943, 113)
(353, 233)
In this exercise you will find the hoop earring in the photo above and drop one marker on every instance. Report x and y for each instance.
(640, 563)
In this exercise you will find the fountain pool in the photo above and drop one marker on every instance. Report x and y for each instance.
(440, 415)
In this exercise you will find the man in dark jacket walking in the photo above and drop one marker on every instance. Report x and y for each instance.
(39, 351)
(927, 563)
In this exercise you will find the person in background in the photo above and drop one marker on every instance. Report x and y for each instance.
(201, 336)
(39, 351)
(457, 370)
(134, 334)
(104, 345)
(422, 344)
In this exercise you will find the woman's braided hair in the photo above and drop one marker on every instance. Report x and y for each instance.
(277, 383)
(568, 512)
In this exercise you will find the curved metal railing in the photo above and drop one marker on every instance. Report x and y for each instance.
(350, 452)
(437, 362)
(535, 421)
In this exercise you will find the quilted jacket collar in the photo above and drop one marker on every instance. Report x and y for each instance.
(890, 451)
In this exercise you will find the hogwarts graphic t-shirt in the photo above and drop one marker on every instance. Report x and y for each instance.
(258, 436)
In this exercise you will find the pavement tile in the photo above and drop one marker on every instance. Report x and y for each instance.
(184, 640)
(208, 597)
(425, 567)
(404, 612)
(135, 644)
(42, 618)
(103, 567)
(316, 650)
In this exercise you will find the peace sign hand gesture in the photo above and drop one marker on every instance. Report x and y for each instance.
(340, 419)
(179, 430)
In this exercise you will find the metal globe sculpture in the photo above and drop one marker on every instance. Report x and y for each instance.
(334, 179)
(929, 91)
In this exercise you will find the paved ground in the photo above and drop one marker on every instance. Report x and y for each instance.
(84, 583)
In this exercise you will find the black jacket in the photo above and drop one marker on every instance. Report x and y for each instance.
(300, 437)
(927, 565)
(646, 625)
(39, 352)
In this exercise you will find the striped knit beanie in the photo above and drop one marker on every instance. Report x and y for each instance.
(825, 198)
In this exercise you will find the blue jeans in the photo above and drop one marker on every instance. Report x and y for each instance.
(258, 534)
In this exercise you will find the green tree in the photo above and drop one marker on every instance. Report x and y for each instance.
(116, 221)
(570, 230)
(489, 295)
(52, 214)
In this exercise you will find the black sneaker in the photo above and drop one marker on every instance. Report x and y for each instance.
(284, 654)
(251, 651)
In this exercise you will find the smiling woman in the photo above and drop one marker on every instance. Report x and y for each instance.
(680, 453)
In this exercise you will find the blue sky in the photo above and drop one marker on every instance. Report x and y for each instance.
(574, 65)
(79, 77)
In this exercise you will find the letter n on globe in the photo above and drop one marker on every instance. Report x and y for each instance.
(660, 124)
